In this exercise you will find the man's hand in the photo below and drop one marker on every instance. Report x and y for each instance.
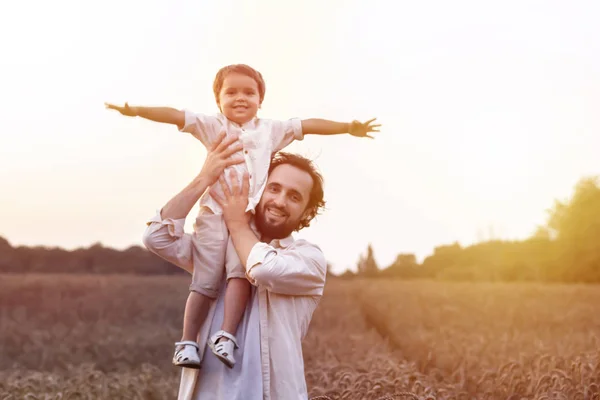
(218, 158)
(125, 110)
(361, 129)
(235, 202)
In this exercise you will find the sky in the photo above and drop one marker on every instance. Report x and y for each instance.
(489, 112)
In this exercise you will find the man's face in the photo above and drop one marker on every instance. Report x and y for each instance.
(283, 202)
(239, 98)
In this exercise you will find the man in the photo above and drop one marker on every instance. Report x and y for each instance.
(288, 276)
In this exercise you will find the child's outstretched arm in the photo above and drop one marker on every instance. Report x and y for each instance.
(165, 115)
(317, 126)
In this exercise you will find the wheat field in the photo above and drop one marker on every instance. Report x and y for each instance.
(110, 337)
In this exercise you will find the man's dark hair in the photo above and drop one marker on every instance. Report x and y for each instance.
(315, 201)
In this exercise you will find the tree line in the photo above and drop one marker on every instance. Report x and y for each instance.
(95, 259)
(565, 249)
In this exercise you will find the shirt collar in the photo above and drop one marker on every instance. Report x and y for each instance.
(250, 124)
(282, 243)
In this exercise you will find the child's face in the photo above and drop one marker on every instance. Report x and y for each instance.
(239, 99)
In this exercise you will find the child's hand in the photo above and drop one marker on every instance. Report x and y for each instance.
(361, 129)
(125, 110)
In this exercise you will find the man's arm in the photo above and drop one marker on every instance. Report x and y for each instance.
(317, 126)
(300, 271)
(181, 205)
(164, 235)
(243, 239)
(297, 271)
(166, 238)
(166, 115)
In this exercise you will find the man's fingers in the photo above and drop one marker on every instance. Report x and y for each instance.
(234, 161)
(233, 178)
(218, 141)
(224, 186)
(369, 136)
(232, 149)
(218, 199)
(222, 142)
(245, 184)
(225, 143)
(369, 121)
(223, 148)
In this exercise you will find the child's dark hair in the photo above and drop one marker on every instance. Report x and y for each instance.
(316, 200)
(240, 69)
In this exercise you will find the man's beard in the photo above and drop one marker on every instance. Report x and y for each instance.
(272, 231)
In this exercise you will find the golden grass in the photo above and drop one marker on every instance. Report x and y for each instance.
(110, 337)
(493, 341)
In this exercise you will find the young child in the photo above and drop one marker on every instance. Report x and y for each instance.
(239, 92)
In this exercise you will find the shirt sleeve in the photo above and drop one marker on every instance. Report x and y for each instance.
(298, 271)
(166, 239)
(203, 127)
(285, 132)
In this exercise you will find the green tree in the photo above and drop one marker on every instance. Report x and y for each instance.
(576, 225)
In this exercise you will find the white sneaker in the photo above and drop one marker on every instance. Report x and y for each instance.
(224, 348)
(186, 355)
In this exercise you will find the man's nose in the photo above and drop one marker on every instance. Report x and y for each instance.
(279, 200)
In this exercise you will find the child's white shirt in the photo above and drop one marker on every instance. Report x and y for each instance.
(260, 139)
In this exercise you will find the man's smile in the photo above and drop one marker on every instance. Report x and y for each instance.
(276, 212)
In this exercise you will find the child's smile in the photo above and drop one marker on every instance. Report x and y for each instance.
(239, 98)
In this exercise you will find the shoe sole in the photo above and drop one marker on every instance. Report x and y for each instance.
(188, 365)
